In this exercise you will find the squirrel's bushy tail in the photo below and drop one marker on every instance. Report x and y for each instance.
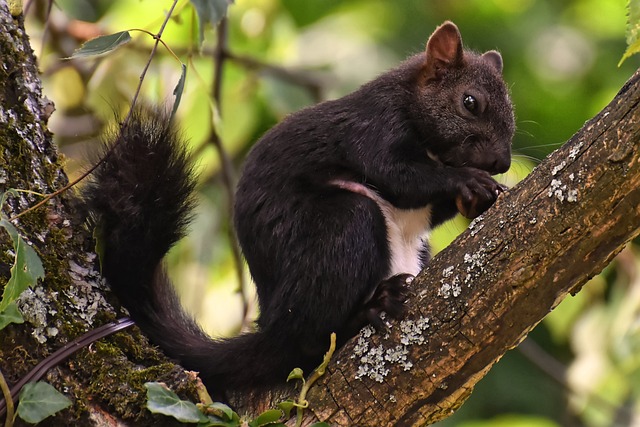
(141, 199)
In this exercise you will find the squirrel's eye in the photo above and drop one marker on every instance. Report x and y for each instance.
(470, 103)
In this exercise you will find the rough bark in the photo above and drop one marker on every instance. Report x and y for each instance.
(72, 299)
(476, 300)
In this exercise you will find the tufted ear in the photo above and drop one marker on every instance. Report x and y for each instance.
(494, 59)
(444, 49)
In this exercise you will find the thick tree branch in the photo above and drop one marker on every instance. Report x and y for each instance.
(480, 297)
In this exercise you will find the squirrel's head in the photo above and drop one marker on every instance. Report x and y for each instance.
(462, 96)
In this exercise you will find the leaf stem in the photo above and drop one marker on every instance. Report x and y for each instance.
(156, 37)
(7, 397)
(315, 376)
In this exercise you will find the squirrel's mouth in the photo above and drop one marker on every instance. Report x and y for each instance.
(434, 157)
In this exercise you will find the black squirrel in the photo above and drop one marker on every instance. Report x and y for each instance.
(332, 210)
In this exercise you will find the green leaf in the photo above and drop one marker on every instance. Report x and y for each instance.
(179, 89)
(633, 30)
(10, 315)
(266, 418)
(210, 12)
(322, 424)
(26, 270)
(296, 374)
(223, 409)
(632, 49)
(101, 45)
(161, 400)
(216, 422)
(633, 21)
(286, 407)
(39, 401)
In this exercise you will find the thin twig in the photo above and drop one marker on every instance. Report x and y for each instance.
(302, 402)
(166, 46)
(559, 373)
(45, 30)
(122, 126)
(7, 398)
(304, 79)
(219, 58)
(228, 173)
(148, 64)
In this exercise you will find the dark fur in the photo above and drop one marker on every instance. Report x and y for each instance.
(318, 253)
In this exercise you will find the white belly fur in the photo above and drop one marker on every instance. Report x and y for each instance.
(407, 229)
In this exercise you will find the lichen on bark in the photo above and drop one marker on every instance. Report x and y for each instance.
(72, 298)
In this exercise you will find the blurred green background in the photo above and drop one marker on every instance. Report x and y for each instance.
(581, 365)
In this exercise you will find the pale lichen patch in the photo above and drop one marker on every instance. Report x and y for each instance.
(35, 305)
(447, 272)
(375, 361)
(573, 153)
(475, 221)
(558, 168)
(412, 331)
(475, 231)
(450, 289)
(562, 192)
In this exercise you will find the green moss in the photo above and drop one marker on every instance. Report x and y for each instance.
(111, 372)
(121, 386)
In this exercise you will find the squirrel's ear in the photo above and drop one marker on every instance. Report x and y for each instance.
(444, 49)
(494, 59)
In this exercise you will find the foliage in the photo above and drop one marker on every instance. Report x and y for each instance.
(39, 401)
(161, 400)
(633, 30)
(210, 12)
(102, 45)
(26, 270)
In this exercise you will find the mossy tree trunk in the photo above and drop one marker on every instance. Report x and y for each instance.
(106, 381)
(543, 240)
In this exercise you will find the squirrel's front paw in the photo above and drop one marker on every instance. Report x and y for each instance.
(389, 297)
(478, 191)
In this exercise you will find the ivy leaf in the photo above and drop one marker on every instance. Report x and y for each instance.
(26, 270)
(101, 45)
(296, 374)
(10, 315)
(633, 30)
(286, 407)
(210, 12)
(267, 418)
(161, 400)
(39, 401)
(224, 410)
